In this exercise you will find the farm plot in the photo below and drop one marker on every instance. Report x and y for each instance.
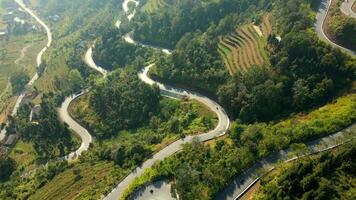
(245, 47)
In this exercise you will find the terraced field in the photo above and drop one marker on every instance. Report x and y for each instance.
(245, 47)
(153, 5)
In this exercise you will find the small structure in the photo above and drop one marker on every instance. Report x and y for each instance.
(11, 140)
(35, 113)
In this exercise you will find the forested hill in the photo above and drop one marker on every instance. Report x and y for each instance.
(297, 73)
(300, 73)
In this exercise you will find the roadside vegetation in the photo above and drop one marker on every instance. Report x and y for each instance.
(200, 170)
(77, 25)
(294, 79)
(328, 176)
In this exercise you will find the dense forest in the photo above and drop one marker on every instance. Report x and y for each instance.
(123, 101)
(125, 53)
(18, 81)
(166, 27)
(7, 166)
(329, 176)
(303, 73)
(297, 78)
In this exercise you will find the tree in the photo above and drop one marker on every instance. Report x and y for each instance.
(75, 80)
(7, 166)
(18, 81)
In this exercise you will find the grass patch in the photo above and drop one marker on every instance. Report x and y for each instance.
(23, 153)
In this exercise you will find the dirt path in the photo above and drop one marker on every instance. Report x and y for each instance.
(22, 55)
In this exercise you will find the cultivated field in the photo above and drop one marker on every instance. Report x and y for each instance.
(84, 181)
(246, 46)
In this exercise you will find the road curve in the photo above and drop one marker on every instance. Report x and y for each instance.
(346, 8)
(38, 60)
(65, 116)
(75, 126)
(169, 91)
(88, 59)
(319, 26)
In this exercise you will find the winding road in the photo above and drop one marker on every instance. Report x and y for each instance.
(75, 126)
(319, 26)
(38, 61)
(242, 182)
(166, 90)
(83, 133)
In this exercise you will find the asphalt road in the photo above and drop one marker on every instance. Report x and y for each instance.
(346, 8)
(171, 149)
(244, 180)
(83, 133)
(64, 116)
(38, 60)
(90, 62)
(320, 20)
